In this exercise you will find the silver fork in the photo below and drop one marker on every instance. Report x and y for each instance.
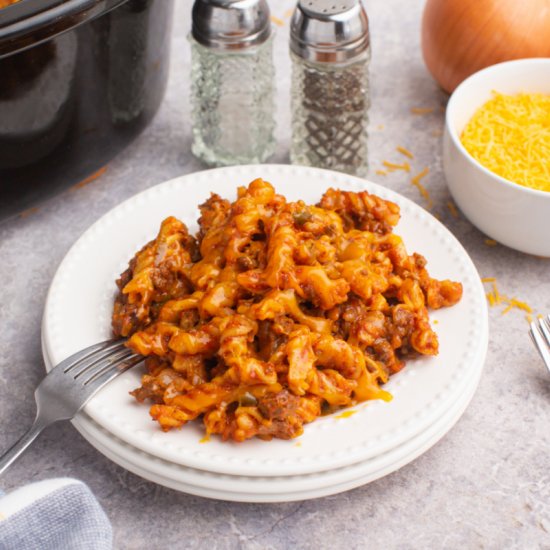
(540, 334)
(70, 385)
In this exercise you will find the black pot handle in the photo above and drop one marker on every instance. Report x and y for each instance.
(28, 23)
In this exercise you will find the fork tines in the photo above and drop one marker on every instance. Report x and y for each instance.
(540, 334)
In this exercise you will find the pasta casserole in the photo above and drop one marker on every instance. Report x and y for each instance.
(276, 312)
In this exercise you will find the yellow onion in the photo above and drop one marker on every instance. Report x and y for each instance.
(460, 37)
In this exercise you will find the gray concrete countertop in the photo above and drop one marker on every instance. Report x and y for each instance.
(486, 484)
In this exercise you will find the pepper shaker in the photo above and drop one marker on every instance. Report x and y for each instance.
(330, 51)
(232, 81)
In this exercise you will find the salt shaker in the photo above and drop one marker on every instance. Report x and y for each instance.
(330, 51)
(232, 81)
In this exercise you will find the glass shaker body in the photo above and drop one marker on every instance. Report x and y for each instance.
(232, 101)
(330, 114)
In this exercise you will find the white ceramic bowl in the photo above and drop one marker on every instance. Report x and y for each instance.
(512, 214)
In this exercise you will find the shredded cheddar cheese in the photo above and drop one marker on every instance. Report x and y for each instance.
(514, 302)
(381, 172)
(495, 298)
(89, 179)
(392, 166)
(29, 212)
(452, 209)
(423, 191)
(422, 110)
(405, 152)
(510, 135)
(490, 242)
(420, 175)
(498, 297)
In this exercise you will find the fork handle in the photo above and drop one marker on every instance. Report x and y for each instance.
(19, 447)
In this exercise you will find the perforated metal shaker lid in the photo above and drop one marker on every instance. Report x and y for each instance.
(329, 31)
(231, 24)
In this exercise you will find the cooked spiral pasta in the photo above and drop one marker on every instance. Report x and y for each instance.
(276, 312)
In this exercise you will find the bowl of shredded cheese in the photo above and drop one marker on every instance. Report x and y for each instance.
(496, 152)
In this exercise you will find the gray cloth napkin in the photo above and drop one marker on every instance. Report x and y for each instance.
(55, 514)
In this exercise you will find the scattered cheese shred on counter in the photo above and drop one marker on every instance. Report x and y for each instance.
(89, 179)
(423, 191)
(510, 135)
(452, 209)
(405, 152)
(422, 110)
(514, 302)
(495, 298)
(29, 212)
(420, 175)
(381, 172)
(490, 242)
(277, 21)
(392, 166)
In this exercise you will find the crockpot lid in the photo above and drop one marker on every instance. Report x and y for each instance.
(30, 22)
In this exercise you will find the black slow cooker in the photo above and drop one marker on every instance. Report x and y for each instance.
(79, 79)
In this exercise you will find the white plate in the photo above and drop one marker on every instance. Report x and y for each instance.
(272, 489)
(79, 306)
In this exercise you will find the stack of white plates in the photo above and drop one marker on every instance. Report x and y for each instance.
(336, 452)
